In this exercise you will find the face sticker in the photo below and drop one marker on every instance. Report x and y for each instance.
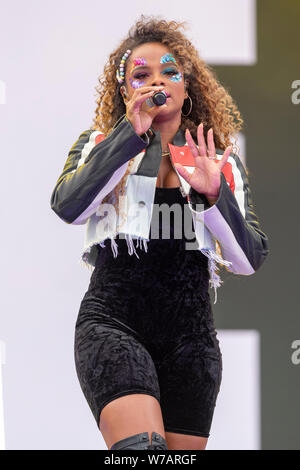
(168, 58)
(173, 74)
(136, 83)
(138, 61)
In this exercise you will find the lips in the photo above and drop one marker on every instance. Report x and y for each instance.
(167, 94)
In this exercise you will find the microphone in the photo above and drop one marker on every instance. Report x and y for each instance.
(159, 98)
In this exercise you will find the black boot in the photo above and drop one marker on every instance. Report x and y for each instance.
(141, 442)
(158, 442)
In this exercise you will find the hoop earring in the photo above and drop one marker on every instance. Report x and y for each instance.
(191, 105)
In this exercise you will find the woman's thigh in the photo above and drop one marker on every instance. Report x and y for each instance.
(129, 415)
(176, 441)
(189, 381)
(110, 364)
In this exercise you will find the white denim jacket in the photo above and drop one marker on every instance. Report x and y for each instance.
(96, 164)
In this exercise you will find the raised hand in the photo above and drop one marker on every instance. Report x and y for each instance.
(206, 178)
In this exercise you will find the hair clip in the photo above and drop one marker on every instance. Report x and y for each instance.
(121, 74)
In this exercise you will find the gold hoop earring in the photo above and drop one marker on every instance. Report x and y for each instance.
(191, 105)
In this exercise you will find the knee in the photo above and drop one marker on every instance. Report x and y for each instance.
(141, 442)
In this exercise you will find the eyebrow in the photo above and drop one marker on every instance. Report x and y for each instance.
(147, 66)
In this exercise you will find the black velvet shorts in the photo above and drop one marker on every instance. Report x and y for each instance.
(145, 325)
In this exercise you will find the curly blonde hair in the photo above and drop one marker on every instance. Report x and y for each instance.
(212, 104)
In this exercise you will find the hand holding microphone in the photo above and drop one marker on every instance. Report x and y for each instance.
(154, 98)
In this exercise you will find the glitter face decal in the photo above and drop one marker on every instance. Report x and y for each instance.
(139, 61)
(136, 82)
(168, 58)
(176, 76)
(173, 74)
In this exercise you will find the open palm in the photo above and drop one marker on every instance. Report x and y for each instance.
(206, 178)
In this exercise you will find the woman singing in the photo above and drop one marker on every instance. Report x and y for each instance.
(146, 351)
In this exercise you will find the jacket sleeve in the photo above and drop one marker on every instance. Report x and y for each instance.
(93, 168)
(232, 221)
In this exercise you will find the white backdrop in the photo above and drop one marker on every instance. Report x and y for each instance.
(51, 56)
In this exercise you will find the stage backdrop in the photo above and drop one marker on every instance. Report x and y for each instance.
(51, 56)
